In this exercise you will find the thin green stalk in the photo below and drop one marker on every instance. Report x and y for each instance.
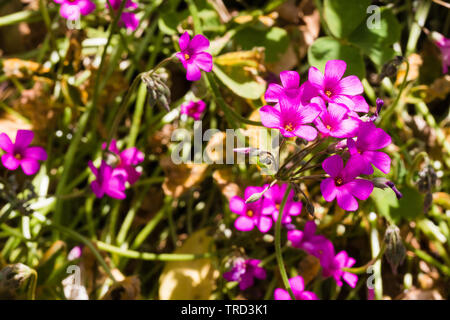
(375, 246)
(76, 236)
(21, 16)
(194, 12)
(416, 29)
(151, 256)
(147, 230)
(278, 251)
(83, 122)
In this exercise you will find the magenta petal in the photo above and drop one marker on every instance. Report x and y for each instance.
(29, 166)
(237, 205)
(308, 295)
(36, 153)
(281, 294)
(130, 20)
(337, 112)
(264, 224)
(360, 188)
(379, 159)
(297, 285)
(86, 6)
(308, 113)
(360, 104)
(273, 92)
(131, 157)
(204, 61)
(184, 41)
(199, 43)
(182, 59)
(345, 200)
(295, 208)
(23, 139)
(334, 70)
(346, 129)
(10, 162)
(333, 165)
(306, 132)
(295, 237)
(350, 278)
(244, 223)
(97, 189)
(315, 77)
(6, 144)
(343, 100)
(193, 72)
(350, 86)
(270, 117)
(328, 189)
(69, 11)
(290, 79)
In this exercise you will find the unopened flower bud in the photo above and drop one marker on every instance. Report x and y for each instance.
(16, 281)
(395, 250)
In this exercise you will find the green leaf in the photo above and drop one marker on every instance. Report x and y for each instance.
(169, 21)
(409, 207)
(275, 41)
(240, 81)
(343, 16)
(376, 41)
(327, 48)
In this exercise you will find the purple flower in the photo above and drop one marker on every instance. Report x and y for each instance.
(307, 240)
(342, 183)
(332, 88)
(244, 272)
(250, 214)
(291, 118)
(20, 153)
(127, 19)
(193, 109)
(290, 89)
(332, 266)
(108, 181)
(127, 160)
(193, 57)
(272, 201)
(335, 121)
(443, 44)
(298, 289)
(75, 253)
(369, 139)
(72, 9)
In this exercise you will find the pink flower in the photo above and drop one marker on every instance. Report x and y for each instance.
(127, 160)
(342, 183)
(127, 19)
(244, 272)
(332, 88)
(108, 181)
(369, 139)
(193, 57)
(332, 266)
(193, 109)
(291, 118)
(298, 289)
(72, 9)
(20, 153)
(335, 121)
(272, 201)
(250, 214)
(290, 89)
(443, 44)
(307, 240)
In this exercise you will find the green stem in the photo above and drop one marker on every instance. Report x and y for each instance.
(278, 251)
(132, 254)
(416, 29)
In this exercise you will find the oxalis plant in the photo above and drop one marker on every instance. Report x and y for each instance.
(329, 137)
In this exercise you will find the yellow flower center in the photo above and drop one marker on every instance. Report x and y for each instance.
(186, 56)
(339, 181)
(328, 127)
(18, 156)
(250, 213)
(288, 127)
(328, 93)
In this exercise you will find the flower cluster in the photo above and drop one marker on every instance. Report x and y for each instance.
(264, 211)
(127, 19)
(323, 249)
(111, 178)
(329, 105)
